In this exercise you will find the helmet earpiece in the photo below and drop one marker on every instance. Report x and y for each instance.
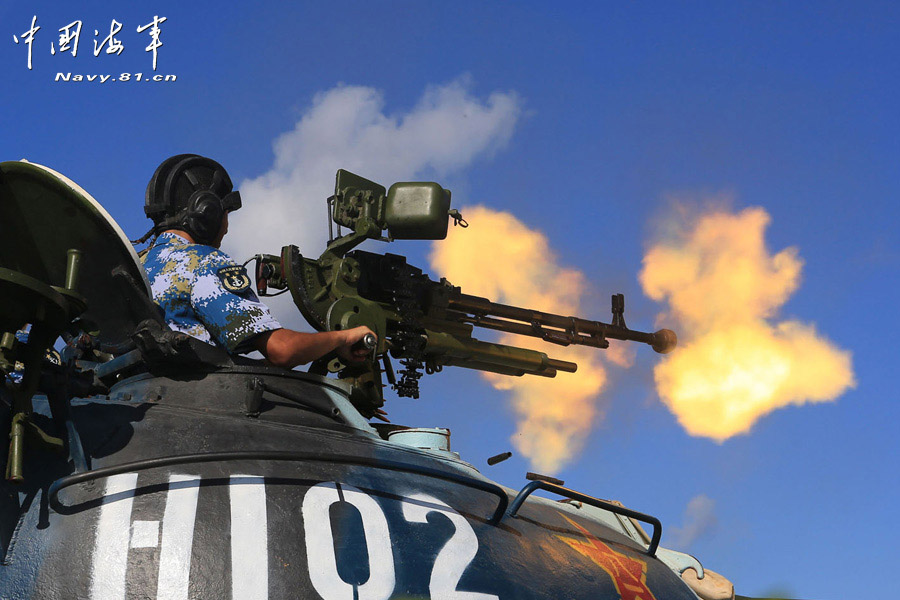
(203, 217)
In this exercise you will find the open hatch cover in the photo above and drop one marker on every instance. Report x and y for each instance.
(42, 215)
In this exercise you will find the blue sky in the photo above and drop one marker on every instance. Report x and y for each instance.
(617, 109)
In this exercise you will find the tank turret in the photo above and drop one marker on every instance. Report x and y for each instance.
(146, 463)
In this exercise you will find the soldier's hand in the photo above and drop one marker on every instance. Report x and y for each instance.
(352, 350)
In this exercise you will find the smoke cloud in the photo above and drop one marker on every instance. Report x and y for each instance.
(500, 258)
(347, 127)
(699, 520)
(735, 363)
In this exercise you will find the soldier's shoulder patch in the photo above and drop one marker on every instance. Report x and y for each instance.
(53, 357)
(234, 278)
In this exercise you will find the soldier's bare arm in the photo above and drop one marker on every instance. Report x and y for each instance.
(287, 348)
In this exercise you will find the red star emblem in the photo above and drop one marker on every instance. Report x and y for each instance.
(629, 575)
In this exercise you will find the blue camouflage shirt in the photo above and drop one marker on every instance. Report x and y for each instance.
(205, 294)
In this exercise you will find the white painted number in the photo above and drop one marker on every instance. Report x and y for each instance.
(116, 534)
(320, 543)
(455, 556)
(249, 538)
(177, 537)
(111, 554)
(449, 566)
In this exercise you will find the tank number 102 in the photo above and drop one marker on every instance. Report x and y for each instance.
(120, 539)
(449, 565)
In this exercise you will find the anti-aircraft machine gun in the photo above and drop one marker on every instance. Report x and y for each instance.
(420, 322)
(144, 462)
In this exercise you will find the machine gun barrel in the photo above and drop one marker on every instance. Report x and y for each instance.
(496, 358)
(424, 324)
(566, 330)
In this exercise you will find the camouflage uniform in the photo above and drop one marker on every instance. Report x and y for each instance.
(205, 294)
(22, 338)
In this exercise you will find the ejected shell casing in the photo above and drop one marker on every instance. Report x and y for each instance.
(499, 458)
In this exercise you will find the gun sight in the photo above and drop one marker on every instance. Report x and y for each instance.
(409, 210)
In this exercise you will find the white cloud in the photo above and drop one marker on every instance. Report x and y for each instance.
(347, 127)
(699, 520)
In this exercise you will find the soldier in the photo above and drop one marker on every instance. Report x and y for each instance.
(202, 291)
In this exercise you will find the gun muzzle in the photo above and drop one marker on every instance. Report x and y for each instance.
(664, 341)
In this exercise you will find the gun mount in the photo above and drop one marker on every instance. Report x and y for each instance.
(424, 324)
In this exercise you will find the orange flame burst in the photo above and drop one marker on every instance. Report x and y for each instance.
(734, 364)
(629, 575)
(498, 257)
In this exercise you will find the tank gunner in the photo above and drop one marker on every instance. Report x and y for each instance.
(201, 290)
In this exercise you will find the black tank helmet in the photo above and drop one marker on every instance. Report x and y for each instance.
(191, 193)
